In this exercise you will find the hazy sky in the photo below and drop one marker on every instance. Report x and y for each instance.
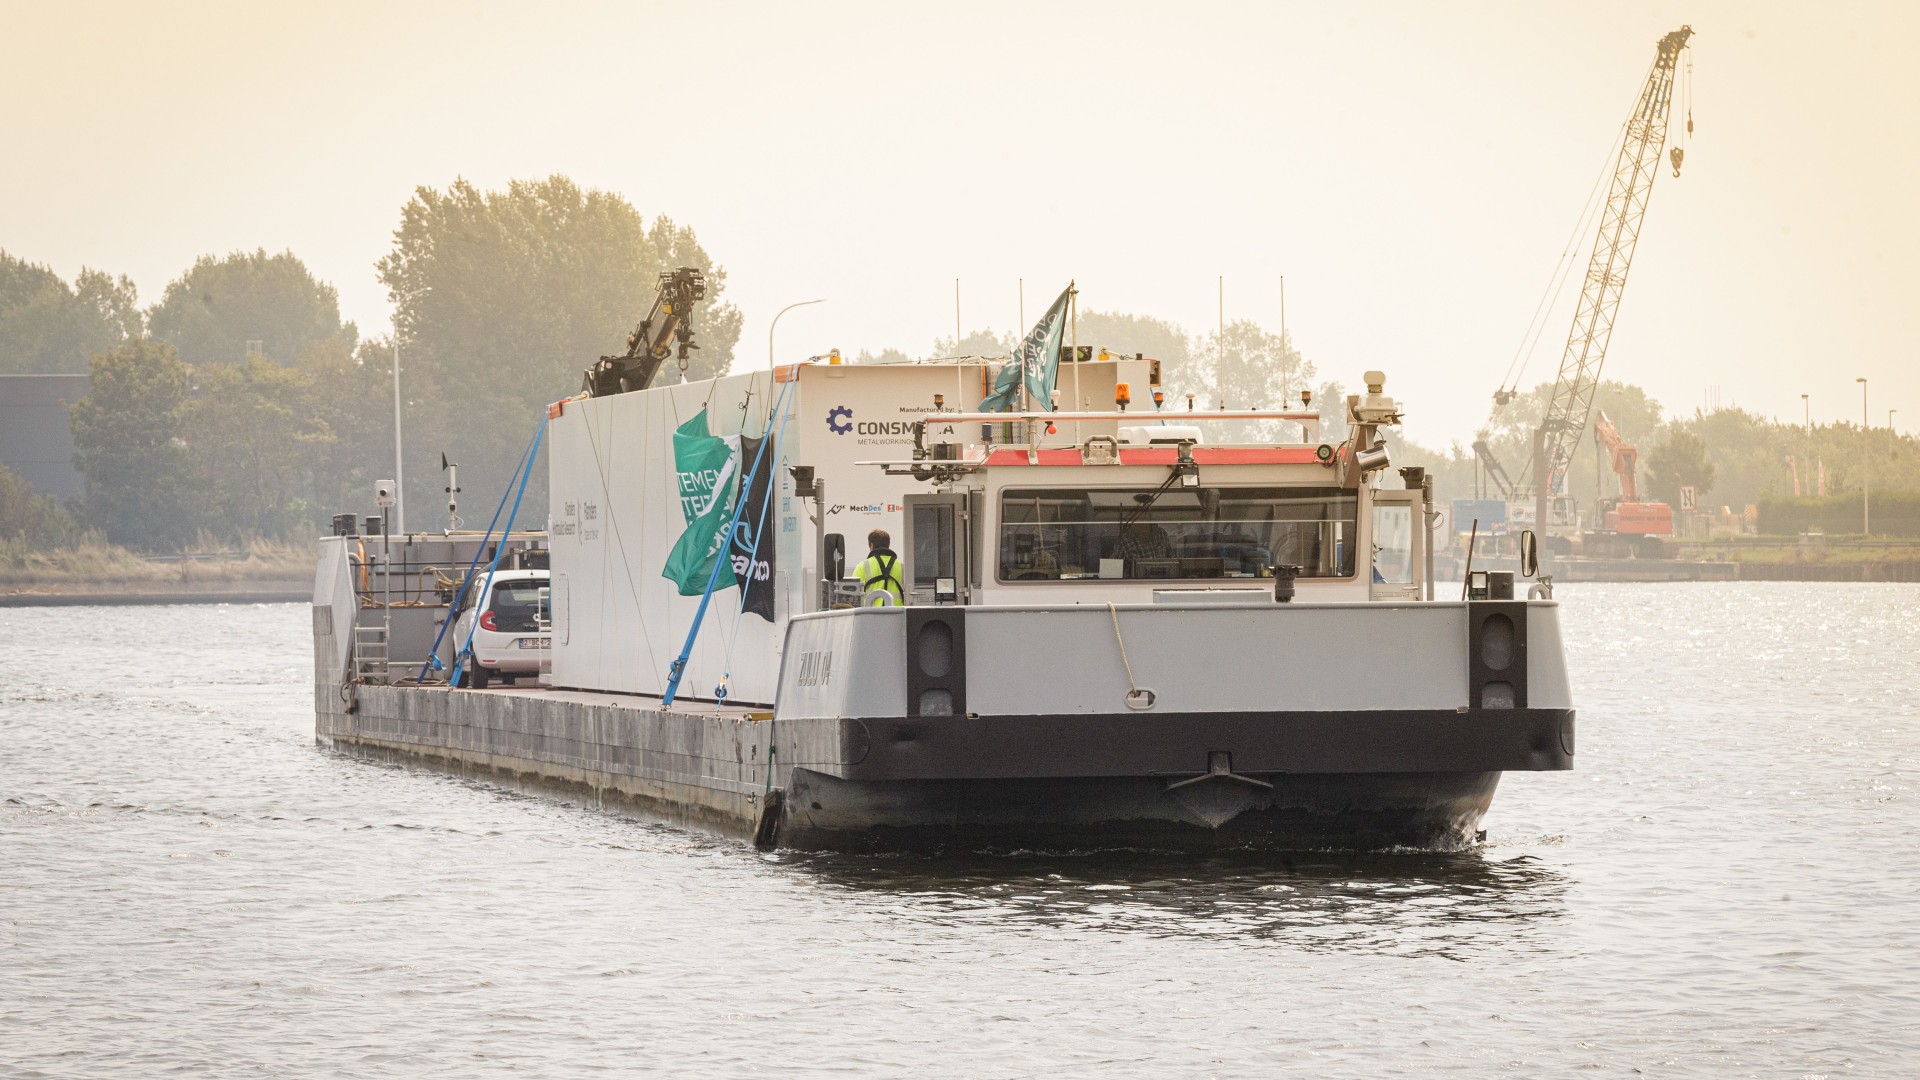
(1412, 169)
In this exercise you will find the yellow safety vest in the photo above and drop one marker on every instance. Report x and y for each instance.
(881, 570)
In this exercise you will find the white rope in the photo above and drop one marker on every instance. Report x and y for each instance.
(1132, 687)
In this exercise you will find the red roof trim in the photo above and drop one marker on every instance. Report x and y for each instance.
(1167, 455)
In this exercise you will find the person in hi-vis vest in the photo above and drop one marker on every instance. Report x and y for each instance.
(880, 569)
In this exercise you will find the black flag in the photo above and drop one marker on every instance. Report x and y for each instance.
(753, 569)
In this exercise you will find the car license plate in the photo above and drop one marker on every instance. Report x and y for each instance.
(534, 643)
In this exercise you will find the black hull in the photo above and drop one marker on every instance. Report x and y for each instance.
(1327, 811)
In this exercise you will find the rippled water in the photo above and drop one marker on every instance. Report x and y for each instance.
(1725, 887)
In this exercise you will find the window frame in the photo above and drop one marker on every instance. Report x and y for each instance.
(1000, 523)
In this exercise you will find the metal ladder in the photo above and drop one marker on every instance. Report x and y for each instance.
(370, 652)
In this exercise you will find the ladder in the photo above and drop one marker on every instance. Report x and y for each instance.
(370, 652)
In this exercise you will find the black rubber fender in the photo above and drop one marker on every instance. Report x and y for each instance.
(766, 834)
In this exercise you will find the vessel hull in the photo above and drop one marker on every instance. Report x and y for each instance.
(1421, 811)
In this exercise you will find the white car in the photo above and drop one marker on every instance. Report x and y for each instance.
(515, 632)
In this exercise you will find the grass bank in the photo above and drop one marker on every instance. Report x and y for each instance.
(94, 568)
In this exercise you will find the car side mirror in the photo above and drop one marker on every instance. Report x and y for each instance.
(1529, 553)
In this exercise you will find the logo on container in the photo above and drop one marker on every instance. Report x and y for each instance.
(840, 420)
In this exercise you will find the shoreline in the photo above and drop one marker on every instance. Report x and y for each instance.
(76, 594)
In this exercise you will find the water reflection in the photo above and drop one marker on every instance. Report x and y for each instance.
(1388, 904)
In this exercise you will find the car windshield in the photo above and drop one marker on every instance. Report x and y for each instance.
(517, 606)
(1065, 534)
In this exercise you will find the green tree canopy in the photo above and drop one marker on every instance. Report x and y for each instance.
(503, 298)
(1680, 461)
(248, 425)
(38, 521)
(127, 437)
(981, 342)
(47, 327)
(211, 313)
(1156, 339)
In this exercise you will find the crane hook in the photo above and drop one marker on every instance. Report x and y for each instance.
(1676, 155)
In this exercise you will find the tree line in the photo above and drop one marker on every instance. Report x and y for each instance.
(1731, 457)
(241, 404)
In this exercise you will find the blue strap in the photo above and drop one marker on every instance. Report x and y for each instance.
(433, 654)
(466, 649)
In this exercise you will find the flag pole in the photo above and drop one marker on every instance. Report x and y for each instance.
(1073, 314)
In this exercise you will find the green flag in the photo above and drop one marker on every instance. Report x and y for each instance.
(707, 471)
(1037, 358)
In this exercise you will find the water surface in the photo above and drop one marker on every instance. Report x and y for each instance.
(1724, 887)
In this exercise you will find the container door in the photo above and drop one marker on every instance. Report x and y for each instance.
(935, 550)
(1398, 545)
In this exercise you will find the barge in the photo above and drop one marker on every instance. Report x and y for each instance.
(1113, 627)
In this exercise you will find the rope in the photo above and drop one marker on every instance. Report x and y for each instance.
(1133, 688)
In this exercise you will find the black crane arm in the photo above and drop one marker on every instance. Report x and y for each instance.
(653, 340)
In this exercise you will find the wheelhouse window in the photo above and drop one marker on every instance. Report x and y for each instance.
(1175, 533)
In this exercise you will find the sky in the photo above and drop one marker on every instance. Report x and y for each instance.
(1411, 170)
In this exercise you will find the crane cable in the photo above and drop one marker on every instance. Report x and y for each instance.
(1562, 271)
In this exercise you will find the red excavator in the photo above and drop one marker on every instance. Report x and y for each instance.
(1629, 528)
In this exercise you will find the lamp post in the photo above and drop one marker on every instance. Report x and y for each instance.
(399, 468)
(776, 323)
(1866, 459)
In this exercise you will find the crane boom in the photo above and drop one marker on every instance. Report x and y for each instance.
(653, 340)
(1633, 175)
(1625, 456)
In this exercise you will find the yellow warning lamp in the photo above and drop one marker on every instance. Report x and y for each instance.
(1105, 356)
(1306, 398)
(1122, 395)
(833, 356)
(1159, 398)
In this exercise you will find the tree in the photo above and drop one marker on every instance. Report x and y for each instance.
(36, 520)
(1156, 339)
(983, 342)
(351, 396)
(127, 443)
(249, 425)
(48, 328)
(503, 298)
(1510, 430)
(1676, 463)
(212, 312)
(114, 300)
(1253, 369)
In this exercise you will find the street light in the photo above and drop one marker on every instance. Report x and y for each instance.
(1866, 459)
(776, 322)
(1806, 430)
